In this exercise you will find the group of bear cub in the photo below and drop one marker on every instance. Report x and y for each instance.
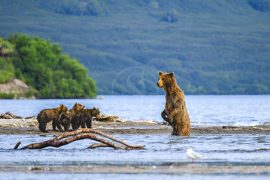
(60, 116)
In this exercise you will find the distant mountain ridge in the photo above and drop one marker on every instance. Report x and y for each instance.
(214, 47)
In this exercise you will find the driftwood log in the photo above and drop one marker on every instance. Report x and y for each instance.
(105, 140)
(9, 115)
(108, 118)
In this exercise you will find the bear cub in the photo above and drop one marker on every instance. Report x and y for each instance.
(47, 115)
(65, 119)
(83, 118)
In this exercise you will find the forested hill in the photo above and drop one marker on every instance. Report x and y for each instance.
(213, 46)
(47, 72)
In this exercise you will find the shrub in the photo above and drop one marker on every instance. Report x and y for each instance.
(7, 96)
(6, 70)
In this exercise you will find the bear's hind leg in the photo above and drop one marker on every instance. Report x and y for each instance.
(75, 125)
(59, 126)
(66, 127)
(56, 123)
(83, 123)
(42, 127)
(89, 122)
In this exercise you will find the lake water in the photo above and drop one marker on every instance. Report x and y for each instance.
(161, 149)
(203, 110)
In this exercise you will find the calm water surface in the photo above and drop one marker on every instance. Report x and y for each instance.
(203, 110)
(161, 149)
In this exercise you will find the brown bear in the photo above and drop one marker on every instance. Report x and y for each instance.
(175, 112)
(65, 119)
(47, 115)
(84, 118)
(77, 107)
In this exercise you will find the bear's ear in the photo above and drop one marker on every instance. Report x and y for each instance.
(160, 73)
(171, 74)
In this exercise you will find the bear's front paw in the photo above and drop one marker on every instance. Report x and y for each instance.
(164, 115)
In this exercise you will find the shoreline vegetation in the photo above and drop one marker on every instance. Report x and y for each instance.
(31, 67)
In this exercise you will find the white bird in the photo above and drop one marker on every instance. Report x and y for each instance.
(193, 155)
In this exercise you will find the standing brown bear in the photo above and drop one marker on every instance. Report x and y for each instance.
(47, 115)
(175, 112)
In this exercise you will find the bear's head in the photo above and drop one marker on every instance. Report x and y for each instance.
(95, 112)
(77, 107)
(61, 108)
(165, 79)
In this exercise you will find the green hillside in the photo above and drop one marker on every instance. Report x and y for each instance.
(43, 66)
(214, 47)
(6, 66)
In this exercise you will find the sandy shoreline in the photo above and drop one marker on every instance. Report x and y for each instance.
(30, 126)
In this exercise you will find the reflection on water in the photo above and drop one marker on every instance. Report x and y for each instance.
(203, 110)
